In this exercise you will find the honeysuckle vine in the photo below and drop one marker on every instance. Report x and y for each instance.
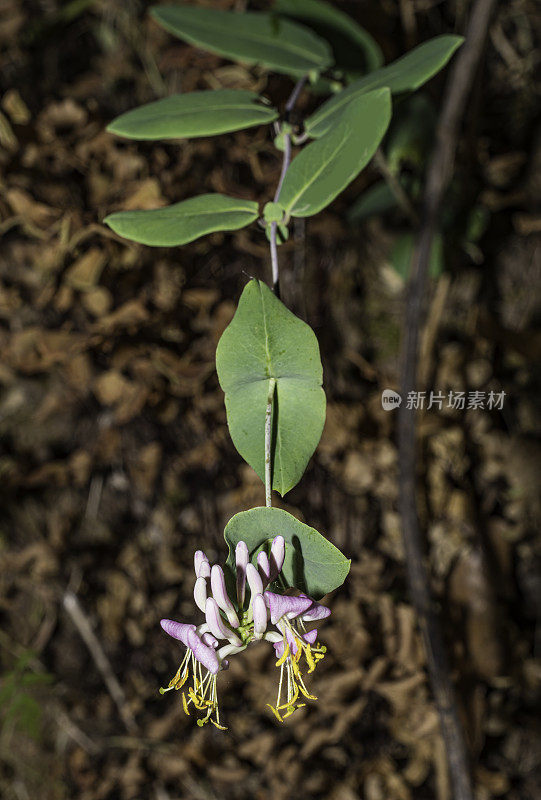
(268, 360)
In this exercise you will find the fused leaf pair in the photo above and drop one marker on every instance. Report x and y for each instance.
(265, 342)
(312, 564)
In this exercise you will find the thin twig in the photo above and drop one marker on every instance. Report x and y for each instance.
(290, 105)
(438, 175)
(268, 443)
(79, 619)
(75, 733)
(395, 186)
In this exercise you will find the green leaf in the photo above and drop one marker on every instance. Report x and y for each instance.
(251, 37)
(263, 341)
(325, 167)
(194, 114)
(402, 253)
(376, 200)
(312, 564)
(185, 221)
(273, 212)
(352, 46)
(411, 133)
(404, 75)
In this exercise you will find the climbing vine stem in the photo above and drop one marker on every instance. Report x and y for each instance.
(290, 105)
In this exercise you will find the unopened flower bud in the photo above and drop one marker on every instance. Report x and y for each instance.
(219, 592)
(199, 558)
(216, 624)
(260, 615)
(254, 580)
(200, 593)
(263, 566)
(242, 556)
(277, 556)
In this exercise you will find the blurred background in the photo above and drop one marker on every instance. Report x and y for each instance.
(116, 463)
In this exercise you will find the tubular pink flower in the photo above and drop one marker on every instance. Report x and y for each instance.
(219, 592)
(210, 645)
(204, 570)
(273, 636)
(216, 624)
(178, 630)
(210, 640)
(279, 649)
(229, 650)
(277, 556)
(263, 566)
(260, 615)
(280, 604)
(292, 641)
(199, 558)
(242, 556)
(200, 593)
(204, 654)
(315, 612)
(254, 580)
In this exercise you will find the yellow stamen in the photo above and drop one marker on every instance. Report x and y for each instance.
(182, 681)
(275, 712)
(283, 657)
(290, 700)
(199, 702)
(305, 692)
(296, 669)
(309, 659)
(185, 704)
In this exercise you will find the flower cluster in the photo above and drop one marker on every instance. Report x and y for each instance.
(258, 615)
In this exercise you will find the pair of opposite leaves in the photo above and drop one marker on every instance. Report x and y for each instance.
(350, 125)
(266, 342)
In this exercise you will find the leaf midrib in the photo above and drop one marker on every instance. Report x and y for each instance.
(322, 167)
(186, 214)
(198, 110)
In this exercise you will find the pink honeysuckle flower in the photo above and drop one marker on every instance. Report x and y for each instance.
(281, 604)
(277, 556)
(209, 639)
(203, 653)
(201, 564)
(200, 593)
(254, 580)
(310, 636)
(263, 567)
(315, 611)
(242, 557)
(217, 625)
(231, 627)
(178, 630)
(219, 592)
(260, 615)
